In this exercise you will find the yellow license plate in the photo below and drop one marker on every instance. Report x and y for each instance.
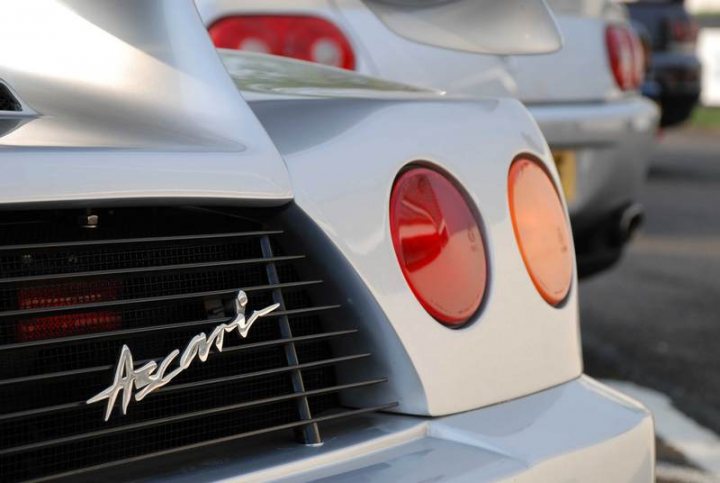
(566, 163)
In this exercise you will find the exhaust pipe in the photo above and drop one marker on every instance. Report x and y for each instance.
(629, 221)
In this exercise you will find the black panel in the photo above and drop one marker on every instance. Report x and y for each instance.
(8, 102)
(74, 289)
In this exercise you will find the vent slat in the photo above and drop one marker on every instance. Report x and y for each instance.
(193, 385)
(147, 270)
(150, 300)
(226, 350)
(123, 241)
(192, 415)
(321, 419)
(155, 328)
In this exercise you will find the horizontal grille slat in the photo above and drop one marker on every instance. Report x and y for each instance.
(155, 328)
(207, 412)
(152, 269)
(89, 296)
(150, 300)
(191, 385)
(124, 241)
(226, 350)
(317, 420)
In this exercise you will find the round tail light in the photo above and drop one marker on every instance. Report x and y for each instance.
(439, 245)
(541, 229)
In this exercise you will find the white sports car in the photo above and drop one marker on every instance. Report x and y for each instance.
(584, 97)
(324, 276)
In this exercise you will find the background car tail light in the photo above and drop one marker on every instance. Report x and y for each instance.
(439, 245)
(625, 53)
(300, 37)
(64, 295)
(541, 229)
(683, 30)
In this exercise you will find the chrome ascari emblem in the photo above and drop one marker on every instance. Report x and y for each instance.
(151, 376)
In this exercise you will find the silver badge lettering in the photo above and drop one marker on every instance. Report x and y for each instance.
(150, 377)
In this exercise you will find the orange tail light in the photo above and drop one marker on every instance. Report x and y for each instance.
(541, 229)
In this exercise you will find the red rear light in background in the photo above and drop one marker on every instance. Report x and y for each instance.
(63, 295)
(439, 245)
(541, 229)
(626, 56)
(300, 37)
(683, 30)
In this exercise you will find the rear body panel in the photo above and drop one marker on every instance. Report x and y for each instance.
(579, 431)
(156, 136)
(346, 190)
(580, 72)
(111, 118)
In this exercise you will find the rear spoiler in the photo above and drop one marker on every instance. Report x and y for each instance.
(479, 26)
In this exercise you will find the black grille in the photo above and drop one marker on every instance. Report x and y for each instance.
(8, 102)
(75, 288)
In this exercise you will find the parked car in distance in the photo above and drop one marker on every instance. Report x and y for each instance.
(674, 71)
(584, 97)
(225, 266)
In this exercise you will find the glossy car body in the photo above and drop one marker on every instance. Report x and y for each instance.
(600, 135)
(674, 76)
(118, 114)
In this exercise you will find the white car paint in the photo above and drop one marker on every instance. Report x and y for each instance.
(502, 349)
(579, 431)
(515, 373)
(571, 93)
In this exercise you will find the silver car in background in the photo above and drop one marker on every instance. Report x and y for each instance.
(584, 97)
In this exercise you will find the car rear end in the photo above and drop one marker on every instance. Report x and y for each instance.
(585, 97)
(586, 100)
(674, 76)
(133, 213)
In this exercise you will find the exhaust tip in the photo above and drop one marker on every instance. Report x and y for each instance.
(631, 218)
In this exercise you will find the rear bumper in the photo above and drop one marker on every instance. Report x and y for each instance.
(578, 431)
(612, 141)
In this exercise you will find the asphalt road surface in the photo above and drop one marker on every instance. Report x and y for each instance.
(655, 318)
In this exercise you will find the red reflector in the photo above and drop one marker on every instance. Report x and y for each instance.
(300, 37)
(684, 30)
(63, 295)
(439, 245)
(67, 325)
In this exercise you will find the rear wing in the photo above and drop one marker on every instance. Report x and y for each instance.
(479, 26)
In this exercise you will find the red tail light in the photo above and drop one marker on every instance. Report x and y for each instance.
(300, 37)
(627, 59)
(683, 30)
(63, 295)
(439, 245)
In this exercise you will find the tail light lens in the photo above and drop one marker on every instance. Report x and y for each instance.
(683, 30)
(541, 229)
(439, 245)
(626, 56)
(300, 37)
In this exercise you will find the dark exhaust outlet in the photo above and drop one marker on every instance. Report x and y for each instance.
(629, 221)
